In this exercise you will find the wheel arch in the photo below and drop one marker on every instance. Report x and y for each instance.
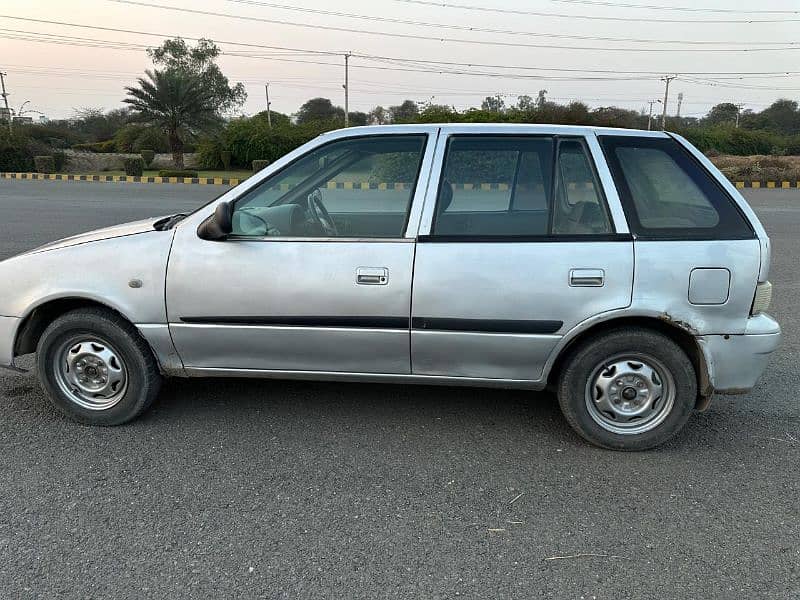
(37, 319)
(675, 330)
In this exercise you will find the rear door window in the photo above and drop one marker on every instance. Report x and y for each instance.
(518, 186)
(667, 194)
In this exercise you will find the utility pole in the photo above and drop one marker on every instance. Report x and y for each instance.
(5, 98)
(650, 116)
(269, 117)
(739, 108)
(680, 101)
(666, 79)
(346, 89)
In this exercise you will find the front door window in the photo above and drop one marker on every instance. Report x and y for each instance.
(353, 188)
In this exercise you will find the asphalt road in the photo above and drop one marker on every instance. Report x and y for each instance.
(265, 489)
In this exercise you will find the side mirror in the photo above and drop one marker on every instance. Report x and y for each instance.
(219, 225)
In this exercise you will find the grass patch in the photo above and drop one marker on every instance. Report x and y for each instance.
(758, 167)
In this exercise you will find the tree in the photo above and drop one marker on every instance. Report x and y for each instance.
(357, 118)
(525, 103)
(493, 103)
(722, 113)
(99, 125)
(277, 119)
(782, 116)
(405, 112)
(200, 61)
(379, 116)
(177, 102)
(319, 110)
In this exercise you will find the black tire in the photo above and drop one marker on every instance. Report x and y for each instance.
(583, 364)
(142, 376)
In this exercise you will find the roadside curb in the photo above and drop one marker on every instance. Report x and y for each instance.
(123, 178)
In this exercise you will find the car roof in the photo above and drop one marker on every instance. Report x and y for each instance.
(501, 128)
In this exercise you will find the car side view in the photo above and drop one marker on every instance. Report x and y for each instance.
(615, 267)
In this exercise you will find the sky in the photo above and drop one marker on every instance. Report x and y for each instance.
(454, 52)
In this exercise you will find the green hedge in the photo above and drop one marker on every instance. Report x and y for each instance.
(148, 156)
(44, 164)
(250, 139)
(15, 152)
(177, 173)
(99, 147)
(134, 167)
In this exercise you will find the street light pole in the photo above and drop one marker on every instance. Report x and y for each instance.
(666, 79)
(346, 87)
(650, 116)
(5, 99)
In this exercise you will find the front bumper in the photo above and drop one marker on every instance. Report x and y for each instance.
(8, 331)
(735, 362)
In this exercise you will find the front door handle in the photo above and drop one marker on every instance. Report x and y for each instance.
(587, 278)
(372, 276)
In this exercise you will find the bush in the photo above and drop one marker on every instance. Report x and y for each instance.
(225, 156)
(133, 166)
(60, 158)
(136, 137)
(260, 164)
(249, 139)
(98, 147)
(727, 139)
(44, 164)
(15, 153)
(177, 173)
(148, 156)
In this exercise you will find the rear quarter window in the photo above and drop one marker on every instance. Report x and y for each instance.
(667, 194)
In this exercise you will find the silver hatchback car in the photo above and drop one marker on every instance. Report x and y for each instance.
(616, 267)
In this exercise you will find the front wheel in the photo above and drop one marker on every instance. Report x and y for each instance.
(96, 368)
(628, 389)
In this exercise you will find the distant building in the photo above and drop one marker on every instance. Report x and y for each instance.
(23, 120)
(5, 113)
(43, 119)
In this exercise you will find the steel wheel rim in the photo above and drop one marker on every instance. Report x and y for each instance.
(91, 372)
(630, 393)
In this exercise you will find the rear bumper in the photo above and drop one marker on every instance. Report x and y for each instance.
(735, 362)
(8, 331)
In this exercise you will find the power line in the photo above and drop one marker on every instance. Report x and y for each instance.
(382, 19)
(369, 56)
(439, 39)
(513, 11)
(678, 8)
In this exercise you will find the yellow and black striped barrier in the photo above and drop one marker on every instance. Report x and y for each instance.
(785, 185)
(123, 178)
(331, 185)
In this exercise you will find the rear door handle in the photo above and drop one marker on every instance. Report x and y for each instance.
(372, 276)
(587, 277)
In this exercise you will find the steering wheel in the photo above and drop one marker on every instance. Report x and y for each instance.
(320, 214)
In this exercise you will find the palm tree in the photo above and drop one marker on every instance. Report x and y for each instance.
(175, 101)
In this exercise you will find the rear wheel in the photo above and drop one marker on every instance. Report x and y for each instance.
(628, 389)
(96, 368)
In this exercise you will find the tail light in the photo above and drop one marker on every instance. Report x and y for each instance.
(762, 299)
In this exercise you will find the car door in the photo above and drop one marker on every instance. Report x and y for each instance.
(517, 246)
(316, 275)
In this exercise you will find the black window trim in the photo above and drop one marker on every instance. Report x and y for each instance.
(612, 236)
(428, 139)
(669, 234)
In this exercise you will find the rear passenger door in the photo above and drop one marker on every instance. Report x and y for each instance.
(517, 245)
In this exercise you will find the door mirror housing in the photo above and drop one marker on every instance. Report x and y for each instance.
(219, 225)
